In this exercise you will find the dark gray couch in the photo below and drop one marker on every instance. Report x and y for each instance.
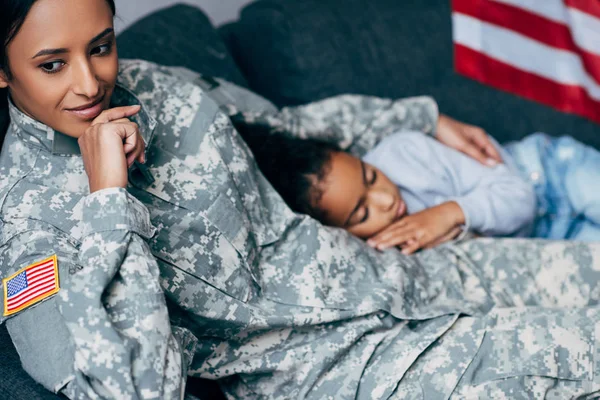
(296, 51)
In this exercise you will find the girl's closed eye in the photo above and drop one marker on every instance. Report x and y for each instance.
(373, 178)
(371, 182)
(365, 216)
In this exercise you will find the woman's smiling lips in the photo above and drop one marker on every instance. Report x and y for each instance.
(88, 111)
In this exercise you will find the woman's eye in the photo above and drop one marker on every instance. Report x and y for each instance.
(52, 67)
(101, 50)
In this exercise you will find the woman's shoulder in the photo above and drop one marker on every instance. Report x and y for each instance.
(146, 79)
(139, 69)
(162, 90)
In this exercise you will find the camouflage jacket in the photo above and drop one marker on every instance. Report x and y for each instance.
(270, 302)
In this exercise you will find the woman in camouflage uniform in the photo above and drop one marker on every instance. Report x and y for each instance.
(118, 188)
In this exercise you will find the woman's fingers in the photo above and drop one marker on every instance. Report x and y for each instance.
(483, 145)
(134, 149)
(132, 138)
(110, 146)
(493, 153)
(468, 139)
(122, 121)
(476, 153)
(142, 155)
(131, 159)
(116, 113)
(133, 143)
(103, 156)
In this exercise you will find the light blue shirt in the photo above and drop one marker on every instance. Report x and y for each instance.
(496, 201)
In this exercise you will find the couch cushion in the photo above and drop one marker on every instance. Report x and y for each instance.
(180, 35)
(14, 381)
(297, 51)
(16, 384)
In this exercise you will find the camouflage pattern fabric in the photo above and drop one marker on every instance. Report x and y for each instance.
(271, 302)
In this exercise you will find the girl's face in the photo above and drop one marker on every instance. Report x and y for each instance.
(64, 63)
(358, 197)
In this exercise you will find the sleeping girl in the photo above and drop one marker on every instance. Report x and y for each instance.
(413, 192)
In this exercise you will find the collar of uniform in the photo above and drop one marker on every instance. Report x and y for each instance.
(39, 135)
(31, 131)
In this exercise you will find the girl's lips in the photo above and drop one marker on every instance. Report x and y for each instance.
(88, 113)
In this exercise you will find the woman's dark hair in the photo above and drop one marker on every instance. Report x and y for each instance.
(12, 17)
(295, 167)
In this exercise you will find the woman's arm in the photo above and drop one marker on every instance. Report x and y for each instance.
(114, 307)
(109, 315)
(116, 300)
(357, 123)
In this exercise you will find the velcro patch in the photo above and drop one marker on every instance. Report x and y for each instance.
(30, 285)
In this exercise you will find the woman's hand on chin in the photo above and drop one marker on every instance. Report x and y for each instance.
(110, 146)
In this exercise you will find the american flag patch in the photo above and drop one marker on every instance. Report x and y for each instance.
(30, 285)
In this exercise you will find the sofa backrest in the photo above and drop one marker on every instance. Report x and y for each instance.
(180, 35)
(297, 51)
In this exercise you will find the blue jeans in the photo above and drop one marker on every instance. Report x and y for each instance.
(566, 176)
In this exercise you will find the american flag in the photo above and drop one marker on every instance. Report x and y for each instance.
(544, 50)
(30, 285)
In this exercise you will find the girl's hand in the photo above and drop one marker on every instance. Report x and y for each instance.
(424, 229)
(468, 139)
(110, 146)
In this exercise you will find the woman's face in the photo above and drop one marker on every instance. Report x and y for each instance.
(64, 63)
(358, 197)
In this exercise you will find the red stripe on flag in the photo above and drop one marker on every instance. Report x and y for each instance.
(34, 295)
(28, 295)
(591, 7)
(40, 277)
(36, 276)
(31, 283)
(568, 98)
(31, 277)
(531, 25)
(37, 267)
(33, 288)
(518, 20)
(37, 273)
